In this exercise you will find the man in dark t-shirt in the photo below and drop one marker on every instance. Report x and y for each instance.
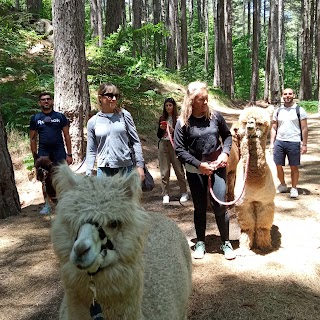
(49, 125)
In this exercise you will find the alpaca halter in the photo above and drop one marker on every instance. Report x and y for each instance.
(106, 243)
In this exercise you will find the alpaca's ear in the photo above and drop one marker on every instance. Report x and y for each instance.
(64, 179)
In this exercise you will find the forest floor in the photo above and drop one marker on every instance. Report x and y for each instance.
(283, 284)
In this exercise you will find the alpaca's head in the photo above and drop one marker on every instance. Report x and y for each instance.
(254, 122)
(43, 167)
(99, 223)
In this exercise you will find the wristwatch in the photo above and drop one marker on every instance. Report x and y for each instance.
(69, 154)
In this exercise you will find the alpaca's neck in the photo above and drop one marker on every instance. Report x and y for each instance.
(254, 149)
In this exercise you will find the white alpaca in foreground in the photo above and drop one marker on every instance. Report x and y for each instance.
(140, 261)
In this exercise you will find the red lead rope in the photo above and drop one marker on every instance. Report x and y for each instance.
(238, 198)
(169, 135)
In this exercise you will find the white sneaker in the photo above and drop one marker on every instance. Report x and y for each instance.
(199, 250)
(282, 188)
(294, 193)
(166, 199)
(184, 197)
(45, 209)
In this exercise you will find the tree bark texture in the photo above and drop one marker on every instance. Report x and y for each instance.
(206, 36)
(171, 41)
(318, 52)
(71, 87)
(9, 197)
(184, 34)
(307, 44)
(274, 54)
(115, 15)
(96, 20)
(255, 51)
(34, 7)
(136, 24)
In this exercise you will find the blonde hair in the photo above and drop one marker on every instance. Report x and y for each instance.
(193, 90)
(109, 88)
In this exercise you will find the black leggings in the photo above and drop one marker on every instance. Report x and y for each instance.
(198, 184)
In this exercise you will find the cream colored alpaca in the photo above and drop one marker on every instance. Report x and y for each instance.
(255, 210)
(143, 259)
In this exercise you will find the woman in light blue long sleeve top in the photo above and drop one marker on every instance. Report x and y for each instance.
(111, 133)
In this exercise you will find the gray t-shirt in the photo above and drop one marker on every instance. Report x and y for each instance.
(288, 123)
(108, 141)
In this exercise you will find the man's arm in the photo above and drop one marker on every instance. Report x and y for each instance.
(33, 144)
(304, 130)
(67, 140)
(273, 132)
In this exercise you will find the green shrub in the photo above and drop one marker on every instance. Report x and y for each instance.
(310, 106)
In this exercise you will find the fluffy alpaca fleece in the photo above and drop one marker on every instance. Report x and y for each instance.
(147, 273)
(44, 170)
(255, 210)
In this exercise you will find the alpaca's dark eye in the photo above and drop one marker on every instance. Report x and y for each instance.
(113, 224)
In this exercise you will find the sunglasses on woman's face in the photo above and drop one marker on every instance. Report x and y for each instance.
(110, 95)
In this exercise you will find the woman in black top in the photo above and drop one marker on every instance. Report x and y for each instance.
(197, 144)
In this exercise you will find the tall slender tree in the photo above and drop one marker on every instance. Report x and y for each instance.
(171, 41)
(70, 80)
(184, 34)
(255, 51)
(9, 197)
(115, 15)
(307, 46)
(96, 20)
(136, 24)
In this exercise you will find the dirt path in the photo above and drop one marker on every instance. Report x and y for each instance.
(284, 284)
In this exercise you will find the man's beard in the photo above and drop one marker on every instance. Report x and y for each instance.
(46, 107)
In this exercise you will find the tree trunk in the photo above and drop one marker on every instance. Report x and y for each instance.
(184, 34)
(307, 43)
(71, 87)
(136, 24)
(266, 95)
(206, 37)
(9, 197)
(255, 51)
(318, 53)
(229, 75)
(115, 15)
(171, 47)
(178, 35)
(157, 36)
(274, 53)
(96, 20)
(281, 44)
(34, 7)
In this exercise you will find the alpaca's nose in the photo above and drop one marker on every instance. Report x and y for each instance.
(81, 248)
(251, 124)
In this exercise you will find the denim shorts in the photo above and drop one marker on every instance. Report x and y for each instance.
(112, 171)
(283, 149)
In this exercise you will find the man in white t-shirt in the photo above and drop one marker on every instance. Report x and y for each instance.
(288, 138)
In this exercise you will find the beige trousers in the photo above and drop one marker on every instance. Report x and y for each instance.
(167, 157)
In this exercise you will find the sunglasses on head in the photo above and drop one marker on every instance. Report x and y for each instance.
(110, 95)
(45, 99)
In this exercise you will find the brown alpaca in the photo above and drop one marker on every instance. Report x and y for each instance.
(44, 170)
(233, 162)
(255, 210)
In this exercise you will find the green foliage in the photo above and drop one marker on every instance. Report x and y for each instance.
(242, 67)
(28, 162)
(309, 106)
